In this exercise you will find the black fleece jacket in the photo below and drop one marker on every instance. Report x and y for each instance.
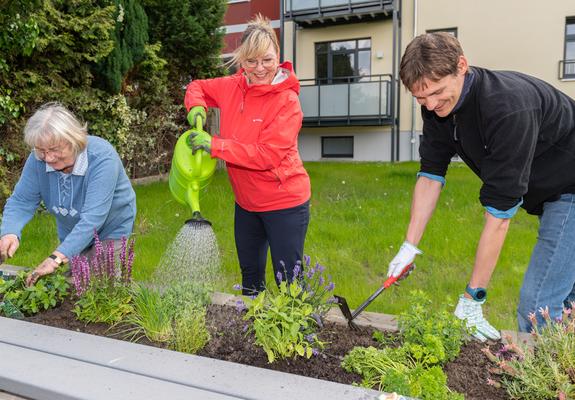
(516, 132)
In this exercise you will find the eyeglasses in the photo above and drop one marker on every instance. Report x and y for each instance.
(266, 62)
(42, 153)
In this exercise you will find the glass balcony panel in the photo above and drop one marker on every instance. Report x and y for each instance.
(308, 99)
(329, 3)
(364, 99)
(333, 100)
(296, 5)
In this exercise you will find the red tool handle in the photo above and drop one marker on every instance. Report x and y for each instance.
(392, 279)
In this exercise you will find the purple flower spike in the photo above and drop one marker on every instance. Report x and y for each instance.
(279, 276)
(315, 352)
(237, 286)
(296, 270)
(307, 260)
(330, 286)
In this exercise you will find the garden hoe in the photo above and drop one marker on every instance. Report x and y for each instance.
(189, 174)
(342, 303)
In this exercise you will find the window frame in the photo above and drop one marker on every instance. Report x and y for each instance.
(569, 38)
(452, 30)
(337, 155)
(329, 79)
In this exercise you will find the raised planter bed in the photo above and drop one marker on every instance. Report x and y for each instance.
(219, 370)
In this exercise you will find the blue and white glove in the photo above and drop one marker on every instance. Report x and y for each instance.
(470, 311)
(402, 259)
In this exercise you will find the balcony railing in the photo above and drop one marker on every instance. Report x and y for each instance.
(354, 100)
(567, 69)
(302, 8)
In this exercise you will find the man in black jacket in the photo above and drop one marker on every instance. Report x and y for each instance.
(517, 133)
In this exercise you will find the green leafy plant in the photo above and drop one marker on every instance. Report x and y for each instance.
(430, 338)
(190, 331)
(45, 294)
(285, 319)
(438, 332)
(151, 316)
(103, 283)
(186, 294)
(546, 371)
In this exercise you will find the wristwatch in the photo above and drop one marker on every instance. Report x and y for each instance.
(478, 294)
(58, 260)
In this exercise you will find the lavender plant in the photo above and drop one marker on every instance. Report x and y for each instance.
(546, 371)
(285, 319)
(103, 283)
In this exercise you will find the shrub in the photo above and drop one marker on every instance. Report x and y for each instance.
(544, 372)
(103, 283)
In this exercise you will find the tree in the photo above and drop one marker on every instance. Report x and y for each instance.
(130, 38)
(191, 36)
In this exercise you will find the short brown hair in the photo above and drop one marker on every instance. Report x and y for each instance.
(430, 56)
(256, 39)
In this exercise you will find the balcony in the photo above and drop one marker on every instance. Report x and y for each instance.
(567, 69)
(330, 12)
(354, 100)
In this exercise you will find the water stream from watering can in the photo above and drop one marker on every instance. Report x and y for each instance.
(193, 257)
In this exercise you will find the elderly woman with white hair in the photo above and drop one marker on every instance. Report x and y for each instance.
(80, 179)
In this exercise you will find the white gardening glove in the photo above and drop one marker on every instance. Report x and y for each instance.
(470, 311)
(402, 259)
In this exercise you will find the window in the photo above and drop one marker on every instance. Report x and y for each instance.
(343, 61)
(337, 146)
(569, 58)
(452, 31)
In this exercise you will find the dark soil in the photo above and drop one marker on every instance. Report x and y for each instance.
(467, 374)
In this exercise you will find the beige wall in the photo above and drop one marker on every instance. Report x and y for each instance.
(520, 35)
(379, 32)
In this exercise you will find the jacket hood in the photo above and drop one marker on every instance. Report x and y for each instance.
(258, 90)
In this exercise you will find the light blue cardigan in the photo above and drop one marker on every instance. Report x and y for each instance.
(96, 195)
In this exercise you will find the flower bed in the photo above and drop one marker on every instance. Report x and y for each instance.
(468, 374)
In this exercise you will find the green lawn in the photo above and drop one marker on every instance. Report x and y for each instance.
(359, 213)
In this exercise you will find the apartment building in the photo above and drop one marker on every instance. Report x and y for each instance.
(346, 55)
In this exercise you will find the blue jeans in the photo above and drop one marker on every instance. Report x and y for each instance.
(282, 231)
(550, 277)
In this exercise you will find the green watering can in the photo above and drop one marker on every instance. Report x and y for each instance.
(191, 173)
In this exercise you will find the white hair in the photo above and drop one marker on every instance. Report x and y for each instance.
(54, 123)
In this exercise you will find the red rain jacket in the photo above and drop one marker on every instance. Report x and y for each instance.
(259, 126)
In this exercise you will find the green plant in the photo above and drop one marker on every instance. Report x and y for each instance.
(285, 318)
(186, 294)
(546, 371)
(45, 294)
(103, 283)
(151, 316)
(190, 332)
(434, 336)
(430, 338)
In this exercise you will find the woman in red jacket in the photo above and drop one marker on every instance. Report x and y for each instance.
(260, 120)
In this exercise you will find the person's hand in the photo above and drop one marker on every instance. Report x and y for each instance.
(471, 312)
(197, 111)
(47, 266)
(8, 245)
(200, 140)
(402, 259)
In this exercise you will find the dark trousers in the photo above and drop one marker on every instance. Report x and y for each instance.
(283, 231)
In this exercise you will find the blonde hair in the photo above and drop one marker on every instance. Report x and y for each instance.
(256, 40)
(53, 123)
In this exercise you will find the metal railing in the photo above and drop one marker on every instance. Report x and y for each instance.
(567, 69)
(316, 6)
(347, 100)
